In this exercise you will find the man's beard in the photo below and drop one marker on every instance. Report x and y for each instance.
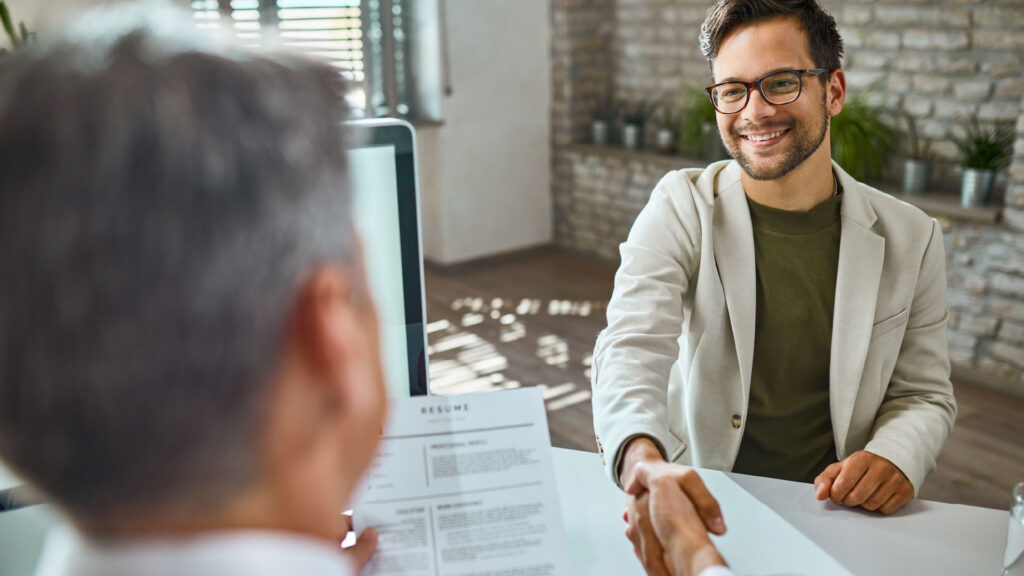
(806, 144)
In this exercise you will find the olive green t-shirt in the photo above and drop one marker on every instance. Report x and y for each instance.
(789, 427)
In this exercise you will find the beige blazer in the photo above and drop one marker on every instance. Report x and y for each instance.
(674, 362)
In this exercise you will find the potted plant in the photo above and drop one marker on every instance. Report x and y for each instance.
(917, 166)
(19, 36)
(861, 141)
(601, 123)
(700, 129)
(984, 151)
(634, 117)
(668, 131)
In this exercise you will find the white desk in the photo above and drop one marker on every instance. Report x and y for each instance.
(926, 538)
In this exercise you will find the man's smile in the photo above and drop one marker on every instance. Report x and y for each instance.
(764, 139)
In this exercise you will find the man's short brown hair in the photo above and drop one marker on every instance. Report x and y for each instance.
(725, 16)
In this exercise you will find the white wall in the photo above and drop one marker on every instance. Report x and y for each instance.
(485, 173)
(428, 161)
(33, 14)
(486, 186)
(39, 14)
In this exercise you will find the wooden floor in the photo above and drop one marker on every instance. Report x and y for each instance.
(532, 320)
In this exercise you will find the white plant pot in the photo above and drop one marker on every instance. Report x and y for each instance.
(665, 140)
(599, 132)
(632, 136)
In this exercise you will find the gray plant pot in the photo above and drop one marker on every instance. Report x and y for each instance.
(665, 140)
(632, 136)
(711, 147)
(917, 176)
(976, 186)
(599, 132)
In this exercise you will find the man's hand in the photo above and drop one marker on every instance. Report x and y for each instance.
(866, 480)
(358, 554)
(680, 511)
(637, 516)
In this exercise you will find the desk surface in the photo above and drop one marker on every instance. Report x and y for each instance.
(922, 538)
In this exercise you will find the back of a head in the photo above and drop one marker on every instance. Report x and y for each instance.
(159, 202)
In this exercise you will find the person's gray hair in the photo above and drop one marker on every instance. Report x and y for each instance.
(159, 204)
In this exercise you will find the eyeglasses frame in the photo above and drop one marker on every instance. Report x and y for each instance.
(757, 84)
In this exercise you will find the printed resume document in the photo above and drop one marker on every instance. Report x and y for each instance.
(464, 486)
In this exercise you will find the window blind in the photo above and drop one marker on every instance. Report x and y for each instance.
(327, 29)
(373, 43)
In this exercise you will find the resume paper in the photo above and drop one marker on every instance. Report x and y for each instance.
(464, 485)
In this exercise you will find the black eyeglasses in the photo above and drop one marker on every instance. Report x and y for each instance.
(776, 88)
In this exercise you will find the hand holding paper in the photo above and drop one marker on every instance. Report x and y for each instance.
(360, 552)
(465, 485)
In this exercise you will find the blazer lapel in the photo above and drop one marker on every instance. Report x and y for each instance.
(861, 254)
(734, 257)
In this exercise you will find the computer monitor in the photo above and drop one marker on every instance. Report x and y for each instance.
(382, 166)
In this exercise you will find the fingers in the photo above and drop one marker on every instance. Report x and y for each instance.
(670, 507)
(706, 505)
(823, 483)
(361, 552)
(641, 533)
(882, 494)
(647, 475)
(875, 478)
(853, 469)
(651, 554)
(901, 494)
(678, 525)
(343, 526)
(898, 500)
(867, 480)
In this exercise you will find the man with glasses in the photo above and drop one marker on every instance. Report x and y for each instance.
(772, 315)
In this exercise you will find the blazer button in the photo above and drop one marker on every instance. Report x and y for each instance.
(736, 421)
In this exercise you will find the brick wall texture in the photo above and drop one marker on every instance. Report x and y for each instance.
(938, 60)
(985, 267)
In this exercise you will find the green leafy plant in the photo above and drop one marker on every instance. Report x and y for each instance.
(698, 111)
(861, 140)
(917, 149)
(18, 37)
(985, 148)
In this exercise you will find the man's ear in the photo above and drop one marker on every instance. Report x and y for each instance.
(836, 91)
(325, 326)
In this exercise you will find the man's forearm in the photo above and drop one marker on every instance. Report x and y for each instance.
(638, 449)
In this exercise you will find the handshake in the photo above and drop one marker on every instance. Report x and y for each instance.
(671, 514)
(669, 517)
